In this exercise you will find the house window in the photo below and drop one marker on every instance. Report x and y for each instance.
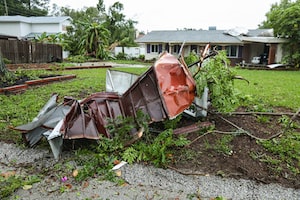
(218, 48)
(154, 48)
(232, 51)
(176, 48)
(64, 28)
(194, 48)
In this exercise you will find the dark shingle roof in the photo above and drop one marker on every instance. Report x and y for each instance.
(194, 36)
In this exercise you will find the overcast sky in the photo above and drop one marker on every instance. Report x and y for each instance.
(197, 14)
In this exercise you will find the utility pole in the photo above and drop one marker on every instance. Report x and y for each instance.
(6, 10)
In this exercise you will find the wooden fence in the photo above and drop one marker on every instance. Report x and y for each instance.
(18, 51)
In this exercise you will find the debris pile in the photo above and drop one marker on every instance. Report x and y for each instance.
(163, 92)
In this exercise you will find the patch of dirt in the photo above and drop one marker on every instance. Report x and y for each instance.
(22, 79)
(246, 157)
(14, 67)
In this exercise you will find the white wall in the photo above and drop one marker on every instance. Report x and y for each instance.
(13, 29)
(279, 54)
(25, 29)
(131, 52)
(21, 29)
(50, 28)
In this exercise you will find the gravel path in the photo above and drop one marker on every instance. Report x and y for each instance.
(142, 182)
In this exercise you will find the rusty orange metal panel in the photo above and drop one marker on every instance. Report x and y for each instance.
(175, 83)
(144, 95)
(88, 119)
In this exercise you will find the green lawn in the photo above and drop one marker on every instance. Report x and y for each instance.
(276, 88)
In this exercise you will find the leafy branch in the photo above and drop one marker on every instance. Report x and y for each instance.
(219, 79)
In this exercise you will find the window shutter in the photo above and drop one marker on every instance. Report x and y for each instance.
(160, 48)
(167, 47)
(148, 48)
(240, 52)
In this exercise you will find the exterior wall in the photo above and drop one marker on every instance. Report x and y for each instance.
(21, 29)
(151, 56)
(64, 26)
(13, 29)
(50, 28)
(279, 53)
(198, 48)
(132, 52)
(25, 29)
(245, 52)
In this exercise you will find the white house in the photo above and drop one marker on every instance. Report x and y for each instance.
(240, 46)
(30, 27)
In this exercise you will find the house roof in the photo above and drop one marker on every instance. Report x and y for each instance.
(4, 36)
(268, 40)
(188, 36)
(35, 20)
(202, 36)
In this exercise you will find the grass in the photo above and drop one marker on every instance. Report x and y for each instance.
(276, 88)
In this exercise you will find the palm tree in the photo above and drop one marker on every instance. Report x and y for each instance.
(95, 40)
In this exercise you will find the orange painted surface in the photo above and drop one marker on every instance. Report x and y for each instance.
(176, 84)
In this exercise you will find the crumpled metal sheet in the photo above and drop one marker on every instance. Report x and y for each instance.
(88, 118)
(164, 91)
(175, 83)
(46, 120)
(119, 81)
(144, 95)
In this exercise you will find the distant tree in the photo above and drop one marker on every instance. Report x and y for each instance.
(95, 40)
(83, 22)
(25, 7)
(122, 30)
(109, 28)
(55, 11)
(284, 18)
(101, 6)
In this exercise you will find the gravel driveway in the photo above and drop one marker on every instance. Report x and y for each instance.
(142, 182)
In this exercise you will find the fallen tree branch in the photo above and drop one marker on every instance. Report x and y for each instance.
(246, 132)
(188, 145)
(240, 129)
(263, 113)
(269, 138)
(214, 131)
(291, 120)
(135, 137)
(249, 134)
